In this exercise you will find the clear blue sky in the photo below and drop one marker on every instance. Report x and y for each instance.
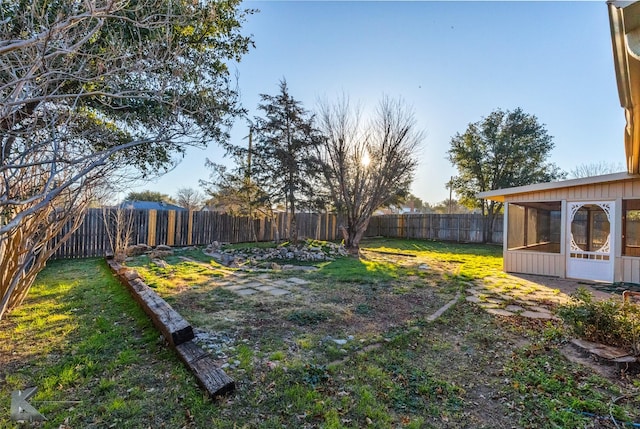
(454, 62)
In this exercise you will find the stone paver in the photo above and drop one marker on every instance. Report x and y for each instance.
(524, 296)
(234, 288)
(253, 285)
(537, 315)
(539, 309)
(487, 305)
(278, 292)
(499, 312)
(245, 292)
(297, 281)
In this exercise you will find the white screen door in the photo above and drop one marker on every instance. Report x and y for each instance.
(590, 238)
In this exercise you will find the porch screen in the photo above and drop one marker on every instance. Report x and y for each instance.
(631, 227)
(534, 227)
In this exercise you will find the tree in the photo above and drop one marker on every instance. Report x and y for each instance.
(93, 93)
(234, 191)
(502, 150)
(284, 165)
(413, 202)
(450, 206)
(147, 195)
(367, 166)
(595, 169)
(189, 198)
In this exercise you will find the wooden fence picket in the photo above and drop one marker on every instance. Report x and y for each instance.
(184, 228)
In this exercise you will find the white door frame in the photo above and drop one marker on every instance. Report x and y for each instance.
(591, 265)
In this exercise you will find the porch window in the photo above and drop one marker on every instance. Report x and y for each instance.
(631, 227)
(534, 227)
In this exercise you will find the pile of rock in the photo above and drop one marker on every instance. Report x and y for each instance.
(255, 256)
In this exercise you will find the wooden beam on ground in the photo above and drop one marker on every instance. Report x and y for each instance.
(211, 378)
(177, 331)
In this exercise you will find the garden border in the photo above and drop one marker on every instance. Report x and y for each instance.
(177, 331)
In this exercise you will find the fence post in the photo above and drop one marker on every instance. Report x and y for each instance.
(171, 228)
(152, 227)
(190, 228)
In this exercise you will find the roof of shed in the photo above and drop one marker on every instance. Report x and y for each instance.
(500, 194)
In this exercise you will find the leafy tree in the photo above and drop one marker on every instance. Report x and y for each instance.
(450, 206)
(502, 150)
(233, 192)
(93, 94)
(367, 166)
(284, 165)
(189, 198)
(147, 195)
(413, 201)
(595, 169)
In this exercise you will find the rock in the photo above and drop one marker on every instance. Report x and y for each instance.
(340, 342)
(138, 249)
(157, 254)
(275, 266)
(163, 247)
(160, 263)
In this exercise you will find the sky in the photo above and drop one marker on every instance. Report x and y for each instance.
(453, 62)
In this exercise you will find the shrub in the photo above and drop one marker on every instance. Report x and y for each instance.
(612, 322)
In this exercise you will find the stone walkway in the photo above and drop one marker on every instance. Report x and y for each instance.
(239, 284)
(529, 296)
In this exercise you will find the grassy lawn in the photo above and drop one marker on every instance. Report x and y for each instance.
(351, 346)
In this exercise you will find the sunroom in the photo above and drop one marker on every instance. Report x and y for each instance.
(587, 228)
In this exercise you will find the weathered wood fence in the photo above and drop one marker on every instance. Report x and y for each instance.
(183, 228)
(463, 228)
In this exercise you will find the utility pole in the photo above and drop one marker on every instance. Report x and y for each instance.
(450, 195)
(247, 173)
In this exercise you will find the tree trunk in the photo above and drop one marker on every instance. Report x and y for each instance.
(355, 232)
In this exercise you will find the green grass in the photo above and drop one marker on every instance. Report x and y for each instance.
(98, 362)
(92, 353)
(469, 261)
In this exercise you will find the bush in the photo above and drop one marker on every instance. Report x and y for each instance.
(611, 322)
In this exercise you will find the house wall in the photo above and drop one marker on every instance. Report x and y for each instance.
(626, 268)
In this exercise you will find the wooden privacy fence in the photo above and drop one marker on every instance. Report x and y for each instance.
(184, 228)
(196, 228)
(463, 228)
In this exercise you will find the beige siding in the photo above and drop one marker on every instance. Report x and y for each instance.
(597, 191)
(547, 264)
(630, 269)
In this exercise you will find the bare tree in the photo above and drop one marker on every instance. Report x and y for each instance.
(94, 92)
(370, 165)
(189, 198)
(596, 169)
(119, 227)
